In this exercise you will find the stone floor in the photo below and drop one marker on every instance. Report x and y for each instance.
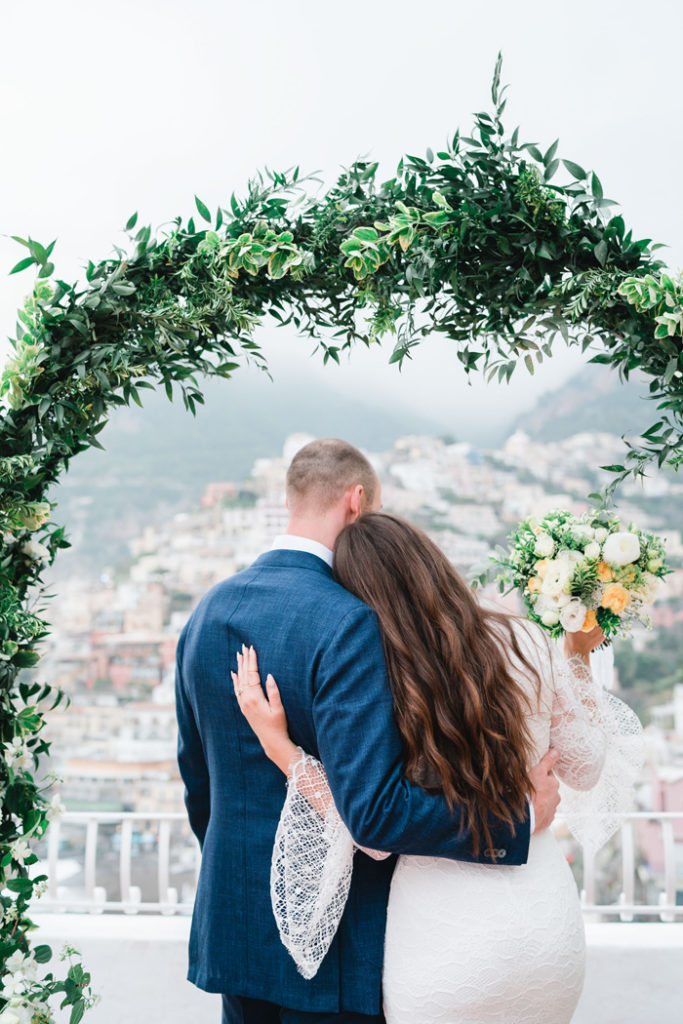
(634, 973)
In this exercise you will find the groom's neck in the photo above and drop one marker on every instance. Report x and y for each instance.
(322, 529)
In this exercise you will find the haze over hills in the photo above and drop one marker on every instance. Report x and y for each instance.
(592, 400)
(159, 459)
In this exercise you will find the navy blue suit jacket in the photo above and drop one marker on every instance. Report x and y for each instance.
(324, 648)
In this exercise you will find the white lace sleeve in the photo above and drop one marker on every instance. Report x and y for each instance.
(599, 740)
(311, 867)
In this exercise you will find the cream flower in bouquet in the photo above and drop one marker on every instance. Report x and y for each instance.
(578, 572)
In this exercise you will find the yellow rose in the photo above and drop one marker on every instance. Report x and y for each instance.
(590, 622)
(604, 572)
(615, 598)
(542, 567)
(534, 584)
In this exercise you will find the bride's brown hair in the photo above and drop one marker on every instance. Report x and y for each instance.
(460, 711)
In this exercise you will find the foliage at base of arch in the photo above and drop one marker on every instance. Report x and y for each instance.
(478, 242)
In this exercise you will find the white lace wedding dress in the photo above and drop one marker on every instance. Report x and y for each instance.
(472, 943)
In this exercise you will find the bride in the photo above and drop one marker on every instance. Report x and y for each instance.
(479, 697)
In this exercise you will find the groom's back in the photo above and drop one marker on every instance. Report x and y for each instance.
(287, 605)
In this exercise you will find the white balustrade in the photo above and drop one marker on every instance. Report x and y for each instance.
(626, 907)
(92, 898)
(182, 853)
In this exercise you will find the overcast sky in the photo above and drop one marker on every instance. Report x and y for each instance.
(138, 105)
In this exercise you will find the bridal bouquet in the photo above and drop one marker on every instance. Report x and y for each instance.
(578, 572)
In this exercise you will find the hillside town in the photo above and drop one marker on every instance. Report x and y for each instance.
(114, 636)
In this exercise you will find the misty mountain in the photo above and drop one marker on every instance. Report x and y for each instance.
(592, 400)
(159, 459)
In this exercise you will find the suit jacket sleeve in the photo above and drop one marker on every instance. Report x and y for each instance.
(191, 760)
(361, 750)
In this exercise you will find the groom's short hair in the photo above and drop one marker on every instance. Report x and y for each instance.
(323, 470)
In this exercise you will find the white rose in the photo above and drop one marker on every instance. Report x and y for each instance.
(621, 549)
(569, 556)
(551, 602)
(592, 550)
(601, 534)
(583, 533)
(36, 551)
(556, 580)
(544, 546)
(573, 616)
(550, 618)
(649, 587)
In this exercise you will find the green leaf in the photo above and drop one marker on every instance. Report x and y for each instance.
(535, 152)
(131, 222)
(366, 234)
(42, 954)
(22, 265)
(550, 152)
(26, 658)
(600, 252)
(576, 170)
(37, 250)
(77, 1012)
(203, 209)
(24, 886)
(671, 368)
(551, 169)
(596, 187)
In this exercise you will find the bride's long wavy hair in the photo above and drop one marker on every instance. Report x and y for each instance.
(461, 713)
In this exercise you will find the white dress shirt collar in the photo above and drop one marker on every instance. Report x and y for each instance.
(288, 542)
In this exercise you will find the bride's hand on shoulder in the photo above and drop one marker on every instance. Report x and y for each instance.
(263, 711)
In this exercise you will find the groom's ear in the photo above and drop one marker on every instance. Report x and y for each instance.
(355, 497)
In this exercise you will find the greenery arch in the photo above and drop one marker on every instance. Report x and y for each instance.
(476, 241)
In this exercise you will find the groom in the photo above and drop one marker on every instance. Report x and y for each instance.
(324, 648)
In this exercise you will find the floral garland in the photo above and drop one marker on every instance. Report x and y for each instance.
(475, 241)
